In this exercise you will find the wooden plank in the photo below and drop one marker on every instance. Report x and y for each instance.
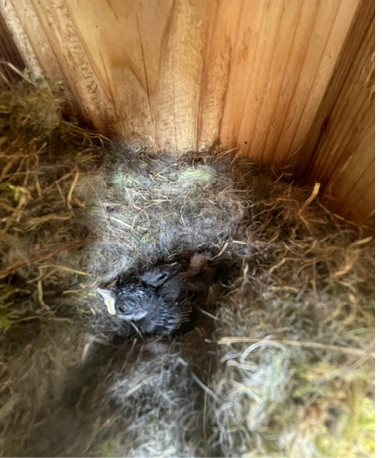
(54, 18)
(325, 44)
(340, 149)
(177, 98)
(270, 97)
(116, 72)
(268, 41)
(36, 50)
(181, 75)
(358, 163)
(154, 79)
(287, 67)
(221, 48)
(324, 72)
(360, 205)
(292, 75)
(363, 24)
(352, 102)
(8, 53)
(20, 39)
(354, 191)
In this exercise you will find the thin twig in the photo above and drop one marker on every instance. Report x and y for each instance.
(312, 196)
(121, 222)
(43, 219)
(307, 202)
(220, 252)
(205, 388)
(41, 256)
(294, 343)
(18, 72)
(41, 296)
(67, 269)
(37, 317)
(86, 132)
(70, 193)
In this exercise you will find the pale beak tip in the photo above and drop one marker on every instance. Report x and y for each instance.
(108, 299)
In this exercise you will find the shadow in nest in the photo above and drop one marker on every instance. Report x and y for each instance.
(170, 299)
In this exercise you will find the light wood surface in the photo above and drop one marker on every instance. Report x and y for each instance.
(183, 75)
(340, 149)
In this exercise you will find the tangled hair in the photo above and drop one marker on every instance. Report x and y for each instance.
(280, 361)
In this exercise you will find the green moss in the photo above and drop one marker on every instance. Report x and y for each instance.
(355, 436)
(148, 238)
(203, 174)
(5, 323)
(110, 448)
(8, 292)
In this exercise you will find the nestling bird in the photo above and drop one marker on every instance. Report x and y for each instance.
(160, 300)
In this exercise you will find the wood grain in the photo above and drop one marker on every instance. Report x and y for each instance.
(340, 149)
(8, 53)
(20, 40)
(181, 75)
(184, 75)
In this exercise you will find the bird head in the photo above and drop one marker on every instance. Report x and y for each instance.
(136, 299)
(131, 302)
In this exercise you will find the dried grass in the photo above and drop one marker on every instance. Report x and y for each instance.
(281, 364)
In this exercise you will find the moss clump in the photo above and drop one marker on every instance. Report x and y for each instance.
(202, 173)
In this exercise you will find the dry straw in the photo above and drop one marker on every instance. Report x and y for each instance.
(281, 361)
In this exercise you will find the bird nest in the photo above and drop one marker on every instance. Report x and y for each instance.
(282, 362)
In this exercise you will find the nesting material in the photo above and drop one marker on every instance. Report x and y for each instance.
(281, 361)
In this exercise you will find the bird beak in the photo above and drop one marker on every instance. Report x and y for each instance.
(109, 299)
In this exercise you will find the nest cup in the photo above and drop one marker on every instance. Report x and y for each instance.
(281, 359)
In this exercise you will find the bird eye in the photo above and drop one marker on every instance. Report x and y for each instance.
(120, 309)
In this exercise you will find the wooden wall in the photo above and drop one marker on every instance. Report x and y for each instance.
(340, 149)
(8, 53)
(180, 75)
